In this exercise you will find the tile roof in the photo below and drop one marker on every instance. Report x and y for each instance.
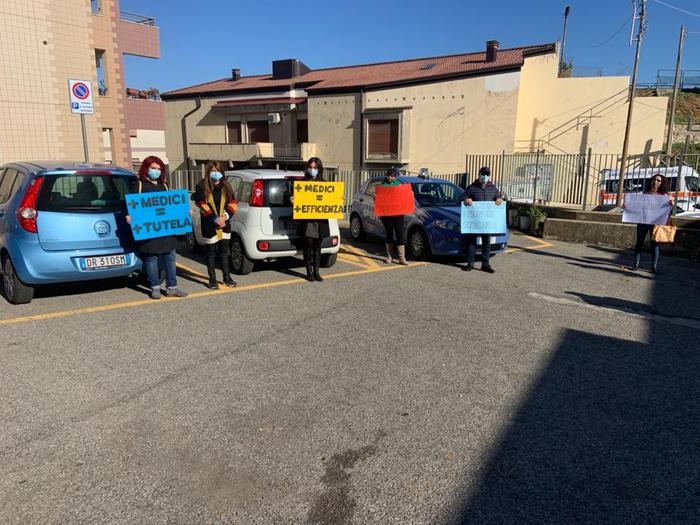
(370, 75)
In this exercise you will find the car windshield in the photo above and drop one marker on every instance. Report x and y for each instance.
(437, 193)
(693, 184)
(84, 193)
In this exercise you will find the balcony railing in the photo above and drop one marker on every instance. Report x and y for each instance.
(137, 19)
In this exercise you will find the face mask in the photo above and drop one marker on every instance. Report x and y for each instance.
(153, 174)
(215, 176)
(484, 178)
(313, 172)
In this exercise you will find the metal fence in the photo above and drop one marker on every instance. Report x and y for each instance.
(581, 180)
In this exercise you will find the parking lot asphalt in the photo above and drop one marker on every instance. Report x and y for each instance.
(561, 389)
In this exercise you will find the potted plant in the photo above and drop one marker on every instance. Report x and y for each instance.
(532, 219)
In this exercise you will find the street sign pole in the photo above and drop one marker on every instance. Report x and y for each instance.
(85, 144)
(80, 95)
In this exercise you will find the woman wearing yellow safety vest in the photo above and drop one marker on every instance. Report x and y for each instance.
(214, 198)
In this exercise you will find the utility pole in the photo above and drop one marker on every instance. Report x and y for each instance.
(567, 10)
(676, 85)
(633, 87)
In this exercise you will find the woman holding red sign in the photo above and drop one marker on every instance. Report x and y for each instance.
(394, 228)
(214, 198)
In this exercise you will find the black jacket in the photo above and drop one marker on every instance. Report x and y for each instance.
(476, 193)
(312, 228)
(207, 214)
(158, 245)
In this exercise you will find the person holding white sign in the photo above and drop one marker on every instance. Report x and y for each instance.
(482, 189)
(657, 185)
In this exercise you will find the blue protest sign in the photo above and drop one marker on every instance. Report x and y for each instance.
(159, 214)
(484, 217)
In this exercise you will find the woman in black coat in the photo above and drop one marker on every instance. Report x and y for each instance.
(214, 198)
(158, 252)
(313, 231)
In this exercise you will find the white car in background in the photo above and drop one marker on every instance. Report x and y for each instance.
(263, 228)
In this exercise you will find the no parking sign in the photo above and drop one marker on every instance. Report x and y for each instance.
(81, 97)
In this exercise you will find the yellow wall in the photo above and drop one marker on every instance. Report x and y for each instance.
(334, 128)
(568, 115)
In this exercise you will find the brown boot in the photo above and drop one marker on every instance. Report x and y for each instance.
(402, 255)
(389, 249)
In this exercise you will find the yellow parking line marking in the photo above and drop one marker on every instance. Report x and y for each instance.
(349, 260)
(190, 271)
(369, 259)
(193, 295)
(540, 244)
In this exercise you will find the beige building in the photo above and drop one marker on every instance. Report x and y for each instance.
(427, 112)
(43, 44)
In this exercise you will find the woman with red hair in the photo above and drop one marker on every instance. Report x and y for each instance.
(160, 251)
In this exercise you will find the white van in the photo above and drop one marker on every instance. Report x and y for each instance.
(687, 185)
(263, 227)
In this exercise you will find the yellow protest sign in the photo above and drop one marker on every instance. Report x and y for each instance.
(319, 200)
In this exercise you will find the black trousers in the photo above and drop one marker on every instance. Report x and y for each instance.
(485, 248)
(220, 248)
(394, 230)
(642, 231)
(312, 251)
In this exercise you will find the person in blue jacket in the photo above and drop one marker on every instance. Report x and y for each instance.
(482, 189)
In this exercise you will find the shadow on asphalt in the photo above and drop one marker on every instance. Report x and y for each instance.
(607, 434)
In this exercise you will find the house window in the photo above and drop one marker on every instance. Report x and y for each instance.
(96, 6)
(101, 72)
(258, 131)
(383, 138)
(234, 132)
(302, 131)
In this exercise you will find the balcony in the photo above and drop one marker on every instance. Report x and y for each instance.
(138, 35)
(246, 152)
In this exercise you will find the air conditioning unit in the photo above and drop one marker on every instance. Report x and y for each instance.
(273, 118)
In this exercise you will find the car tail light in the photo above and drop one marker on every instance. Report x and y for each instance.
(256, 196)
(26, 213)
(334, 241)
(263, 246)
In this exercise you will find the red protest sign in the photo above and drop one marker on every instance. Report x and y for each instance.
(394, 200)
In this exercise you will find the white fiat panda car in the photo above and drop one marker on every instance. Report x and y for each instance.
(263, 227)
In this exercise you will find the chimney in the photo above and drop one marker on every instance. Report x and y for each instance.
(235, 74)
(491, 50)
(289, 68)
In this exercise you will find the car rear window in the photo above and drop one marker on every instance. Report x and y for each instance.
(84, 193)
(278, 192)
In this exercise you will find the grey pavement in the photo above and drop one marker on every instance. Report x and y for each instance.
(562, 389)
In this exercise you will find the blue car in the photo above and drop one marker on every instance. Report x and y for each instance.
(434, 228)
(60, 222)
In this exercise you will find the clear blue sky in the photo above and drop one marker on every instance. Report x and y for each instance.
(202, 40)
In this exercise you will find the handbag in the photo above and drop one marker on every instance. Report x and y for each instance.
(664, 233)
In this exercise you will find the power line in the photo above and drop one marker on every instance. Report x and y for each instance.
(677, 8)
(613, 35)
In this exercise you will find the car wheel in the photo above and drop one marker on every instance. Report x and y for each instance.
(240, 263)
(328, 260)
(191, 242)
(418, 244)
(16, 292)
(357, 232)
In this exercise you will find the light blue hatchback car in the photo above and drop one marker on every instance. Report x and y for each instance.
(60, 222)
(434, 228)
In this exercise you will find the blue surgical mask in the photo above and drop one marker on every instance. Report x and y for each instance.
(215, 176)
(153, 174)
(313, 172)
(484, 178)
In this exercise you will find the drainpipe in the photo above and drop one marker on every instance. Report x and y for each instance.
(362, 126)
(183, 123)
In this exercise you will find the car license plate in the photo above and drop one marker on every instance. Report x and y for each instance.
(99, 263)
